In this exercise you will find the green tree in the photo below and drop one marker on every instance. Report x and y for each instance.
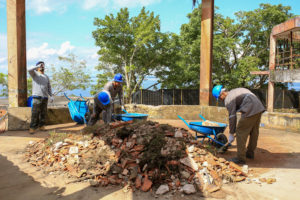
(257, 27)
(240, 46)
(182, 71)
(72, 75)
(132, 46)
(29, 85)
(3, 84)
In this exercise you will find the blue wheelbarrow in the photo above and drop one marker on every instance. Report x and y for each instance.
(213, 133)
(79, 109)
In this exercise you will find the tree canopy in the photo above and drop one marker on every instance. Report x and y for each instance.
(71, 75)
(132, 46)
(240, 45)
(3, 84)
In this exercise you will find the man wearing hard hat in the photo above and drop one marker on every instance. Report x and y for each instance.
(115, 88)
(244, 101)
(102, 102)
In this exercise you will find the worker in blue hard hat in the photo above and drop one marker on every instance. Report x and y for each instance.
(102, 104)
(115, 88)
(244, 101)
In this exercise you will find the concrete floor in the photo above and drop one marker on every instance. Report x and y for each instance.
(277, 156)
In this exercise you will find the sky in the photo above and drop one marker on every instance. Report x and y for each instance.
(57, 28)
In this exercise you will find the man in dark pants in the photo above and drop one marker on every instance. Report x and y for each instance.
(244, 101)
(102, 103)
(41, 88)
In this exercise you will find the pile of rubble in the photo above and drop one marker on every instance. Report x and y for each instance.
(144, 156)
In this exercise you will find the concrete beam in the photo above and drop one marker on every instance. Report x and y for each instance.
(16, 44)
(206, 51)
(286, 76)
(287, 26)
(260, 73)
(271, 89)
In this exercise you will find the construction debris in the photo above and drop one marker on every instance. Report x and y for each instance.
(210, 123)
(145, 155)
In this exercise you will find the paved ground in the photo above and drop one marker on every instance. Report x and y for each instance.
(278, 156)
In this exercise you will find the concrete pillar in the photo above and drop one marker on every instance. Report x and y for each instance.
(206, 51)
(271, 89)
(16, 44)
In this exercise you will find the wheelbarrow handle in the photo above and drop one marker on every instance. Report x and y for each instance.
(183, 121)
(67, 96)
(82, 97)
(202, 117)
(125, 111)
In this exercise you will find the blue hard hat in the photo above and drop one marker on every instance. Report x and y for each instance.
(216, 91)
(104, 97)
(39, 63)
(118, 78)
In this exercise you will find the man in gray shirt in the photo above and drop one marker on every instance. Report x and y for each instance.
(115, 88)
(41, 88)
(244, 101)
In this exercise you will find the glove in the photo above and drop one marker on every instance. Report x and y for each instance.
(51, 99)
(231, 138)
(123, 107)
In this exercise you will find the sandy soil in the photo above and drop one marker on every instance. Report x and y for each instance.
(278, 156)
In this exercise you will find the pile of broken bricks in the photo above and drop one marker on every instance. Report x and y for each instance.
(145, 156)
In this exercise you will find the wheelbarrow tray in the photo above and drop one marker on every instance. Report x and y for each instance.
(131, 116)
(78, 109)
(209, 130)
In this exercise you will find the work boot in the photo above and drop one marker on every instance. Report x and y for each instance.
(237, 161)
(250, 155)
(32, 131)
(42, 128)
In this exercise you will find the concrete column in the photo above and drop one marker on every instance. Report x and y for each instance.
(206, 51)
(271, 89)
(16, 44)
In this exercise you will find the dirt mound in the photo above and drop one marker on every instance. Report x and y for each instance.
(142, 155)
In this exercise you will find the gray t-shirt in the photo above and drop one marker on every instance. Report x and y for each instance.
(40, 84)
(114, 91)
(244, 101)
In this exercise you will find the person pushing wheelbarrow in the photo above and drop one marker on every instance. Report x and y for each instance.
(244, 101)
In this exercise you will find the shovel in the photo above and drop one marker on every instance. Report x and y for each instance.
(223, 148)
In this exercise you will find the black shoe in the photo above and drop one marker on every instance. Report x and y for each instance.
(250, 155)
(237, 161)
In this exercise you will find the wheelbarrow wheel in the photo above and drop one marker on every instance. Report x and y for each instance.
(221, 138)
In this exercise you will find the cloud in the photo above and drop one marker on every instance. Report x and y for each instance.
(134, 3)
(44, 52)
(65, 48)
(40, 6)
(3, 49)
(3, 67)
(47, 6)
(94, 56)
(89, 4)
(3, 59)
